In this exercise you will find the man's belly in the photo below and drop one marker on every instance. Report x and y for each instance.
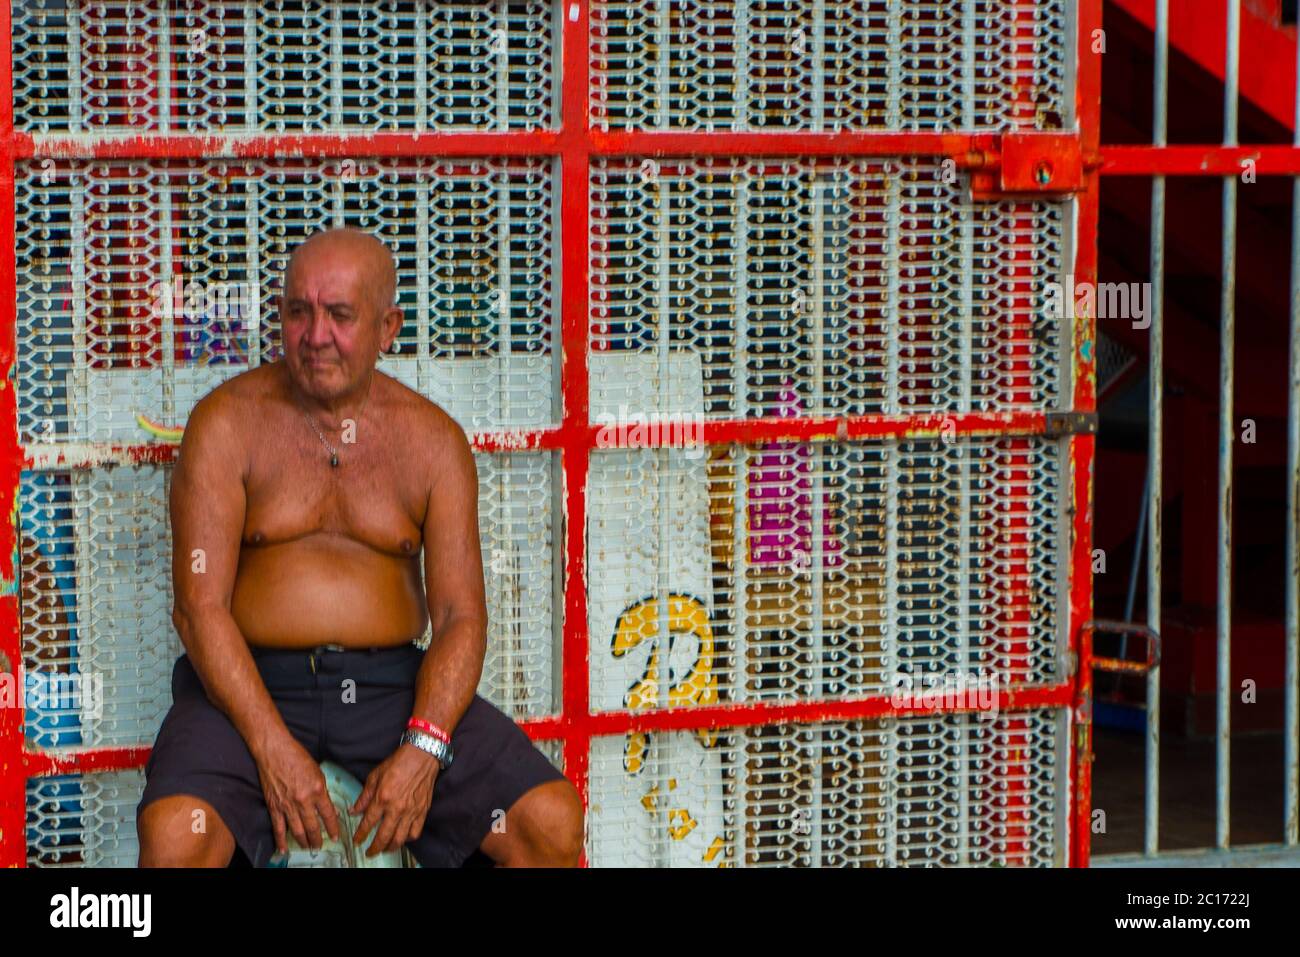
(327, 589)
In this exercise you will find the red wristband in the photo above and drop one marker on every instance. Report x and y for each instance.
(430, 728)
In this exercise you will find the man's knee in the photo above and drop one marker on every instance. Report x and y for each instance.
(183, 831)
(543, 829)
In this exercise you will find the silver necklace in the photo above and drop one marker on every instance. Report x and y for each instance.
(334, 453)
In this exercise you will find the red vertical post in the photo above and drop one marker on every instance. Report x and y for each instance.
(576, 439)
(13, 779)
(1083, 359)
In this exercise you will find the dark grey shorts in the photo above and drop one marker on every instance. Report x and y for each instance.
(200, 752)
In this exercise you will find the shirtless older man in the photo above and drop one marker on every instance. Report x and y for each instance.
(303, 493)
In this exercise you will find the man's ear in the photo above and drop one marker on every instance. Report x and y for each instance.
(389, 326)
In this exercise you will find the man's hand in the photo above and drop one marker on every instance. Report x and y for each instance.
(398, 791)
(295, 793)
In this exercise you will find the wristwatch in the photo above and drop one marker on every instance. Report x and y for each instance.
(428, 743)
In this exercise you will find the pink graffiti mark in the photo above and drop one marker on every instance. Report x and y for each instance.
(779, 506)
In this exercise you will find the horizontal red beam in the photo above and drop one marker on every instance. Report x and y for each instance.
(671, 433)
(969, 150)
(80, 760)
(277, 145)
(757, 714)
(1199, 160)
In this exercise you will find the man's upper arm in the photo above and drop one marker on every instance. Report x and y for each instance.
(453, 560)
(207, 508)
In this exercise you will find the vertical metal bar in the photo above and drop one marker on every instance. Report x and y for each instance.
(663, 73)
(818, 74)
(740, 24)
(420, 28)
(336, 66)
(740, 355)
(163, 51)
(574, 324)
(75, 88)
(740, 602)
(503, 65)
(252, 119)
(505, 329)
(969, 53)
(13, 780)
(663, 740)
(1082, 448)
(423, 371)
(740, 512)
(1153, 504)
(1291, 709)
(816, 454)
(1227, 330)
(253, 239)
(166, 270)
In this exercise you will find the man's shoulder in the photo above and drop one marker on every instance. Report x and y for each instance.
(428, 417)
(233, 402)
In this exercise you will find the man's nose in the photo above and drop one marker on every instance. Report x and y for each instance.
(318, 331)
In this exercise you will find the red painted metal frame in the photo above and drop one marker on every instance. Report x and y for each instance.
(1083, 447)
(576, 437)
(13, 774)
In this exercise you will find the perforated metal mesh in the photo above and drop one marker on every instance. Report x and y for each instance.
(84, 820)
(829, 287)
(822, 570)
(96, 576)
(518, 530)
(195, 66)
(116, 260)
(953, 790)
(848, 65)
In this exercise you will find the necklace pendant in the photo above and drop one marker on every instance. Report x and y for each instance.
(334, 460)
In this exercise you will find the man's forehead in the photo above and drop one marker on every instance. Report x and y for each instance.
(339, 264)
(335, 281)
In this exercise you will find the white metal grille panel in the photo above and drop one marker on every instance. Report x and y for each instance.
(84, 820)
(115, 260)
(924, 65)
(911, 572)
(829, 287)
(517, 531)
(283, 66)
(951, 790)
(96, 577)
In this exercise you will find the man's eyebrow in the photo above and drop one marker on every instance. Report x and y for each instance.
(332, 304)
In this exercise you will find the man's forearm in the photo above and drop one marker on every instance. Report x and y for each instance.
(450, 672)
(221, 657)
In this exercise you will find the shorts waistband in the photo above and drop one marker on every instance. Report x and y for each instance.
(286, 668)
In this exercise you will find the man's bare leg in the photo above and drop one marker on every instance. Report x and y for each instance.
(167, 834)
(542, 829)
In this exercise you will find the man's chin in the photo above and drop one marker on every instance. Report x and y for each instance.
(320, 382)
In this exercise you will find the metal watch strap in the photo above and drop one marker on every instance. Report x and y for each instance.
(428, 743)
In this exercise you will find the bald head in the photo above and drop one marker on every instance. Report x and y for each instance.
(373, 259)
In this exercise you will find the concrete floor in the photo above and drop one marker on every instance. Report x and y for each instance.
(1186, 791)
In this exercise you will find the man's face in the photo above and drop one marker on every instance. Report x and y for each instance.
(328, 323)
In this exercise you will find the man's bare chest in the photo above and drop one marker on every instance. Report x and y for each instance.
(373, 496)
